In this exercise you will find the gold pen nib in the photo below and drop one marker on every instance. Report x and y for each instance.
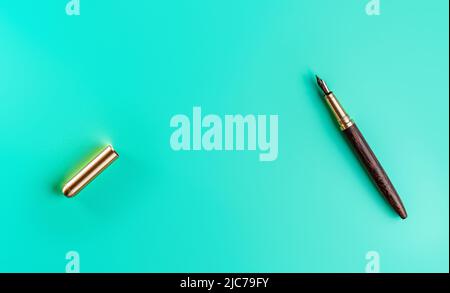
(323, 85)
(341, 116)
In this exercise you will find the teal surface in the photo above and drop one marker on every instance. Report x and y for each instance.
(118, 73)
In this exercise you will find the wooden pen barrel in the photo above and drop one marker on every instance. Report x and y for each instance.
(374, 168)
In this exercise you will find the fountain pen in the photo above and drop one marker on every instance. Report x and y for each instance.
(363, 151)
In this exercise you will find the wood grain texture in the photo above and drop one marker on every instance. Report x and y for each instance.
(374, 169)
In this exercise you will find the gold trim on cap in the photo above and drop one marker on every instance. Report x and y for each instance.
(90, 171)
(341, 116)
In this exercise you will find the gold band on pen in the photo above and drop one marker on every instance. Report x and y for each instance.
(90, 171)
(341, 116)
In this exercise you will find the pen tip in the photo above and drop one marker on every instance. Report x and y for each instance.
(322, 85)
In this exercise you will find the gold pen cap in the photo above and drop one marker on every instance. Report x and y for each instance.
(90, 171)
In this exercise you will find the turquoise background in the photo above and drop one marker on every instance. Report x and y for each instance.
(120, 71)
